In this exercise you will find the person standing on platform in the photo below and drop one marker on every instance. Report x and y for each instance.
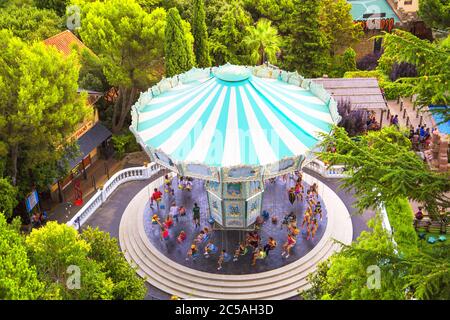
(196, 215)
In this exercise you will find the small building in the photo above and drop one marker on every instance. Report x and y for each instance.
(362, 93)
(92, 137)
(376, 16)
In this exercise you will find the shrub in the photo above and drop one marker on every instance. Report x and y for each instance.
(368, 62)
(124, 143)
(402, 70)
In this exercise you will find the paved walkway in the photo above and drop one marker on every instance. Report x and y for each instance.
(408, 115)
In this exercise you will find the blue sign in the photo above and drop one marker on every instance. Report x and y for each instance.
(32, 200)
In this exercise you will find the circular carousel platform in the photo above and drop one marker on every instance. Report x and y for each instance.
(163, 263)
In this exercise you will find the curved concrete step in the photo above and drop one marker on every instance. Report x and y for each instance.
(281, 283)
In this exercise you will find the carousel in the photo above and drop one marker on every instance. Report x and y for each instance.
(233, 127)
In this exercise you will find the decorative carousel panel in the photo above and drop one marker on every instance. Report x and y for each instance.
(214, 187)
(241, 173)
(253, 208)
(200, 171)
(215, 207)
(234, 214)
(283, 166)
(162, 159)
(233, 190)
(254, 187)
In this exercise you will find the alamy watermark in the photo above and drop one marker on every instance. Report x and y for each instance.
(73, 17)
(374, 277)
(74, 280)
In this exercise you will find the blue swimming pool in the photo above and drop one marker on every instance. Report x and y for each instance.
(443, 127)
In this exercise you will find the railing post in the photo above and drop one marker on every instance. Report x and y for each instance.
(103, 193)
(404, 113)
(147, 170)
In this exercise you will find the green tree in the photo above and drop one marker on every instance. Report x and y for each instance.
(422, 272)
(59, 6)
(263, 41)
(382, 167)
(53, 249)
(275, 11)
(8, 197)
(30, 23)
(344, 276)
(129, 43)
(337, 24)
(40, 109)
(200, 33)
(308, 49)
(226, 42)
(178, 54)
(432, 61)
(435, 13)
(349, 60)
(105, 250)
(18, 278)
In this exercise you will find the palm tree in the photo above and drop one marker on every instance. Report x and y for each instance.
(263, 41)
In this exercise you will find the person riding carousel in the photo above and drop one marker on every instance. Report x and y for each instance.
(288, 245)
(240, 251)
(188, 184)
(192, 252)
(210, 248)
(318, 210)
(291, 195)
(253, 239)
(181, 183)
(167, 184)
(181, 237)
(156, 196)
(299, 191)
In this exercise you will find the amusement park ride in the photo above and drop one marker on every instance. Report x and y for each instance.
(233, 127)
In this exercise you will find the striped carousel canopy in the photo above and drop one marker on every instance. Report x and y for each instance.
(233, 115)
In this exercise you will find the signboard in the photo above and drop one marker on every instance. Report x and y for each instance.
(83, 129)
(32, 200)
(385, 24)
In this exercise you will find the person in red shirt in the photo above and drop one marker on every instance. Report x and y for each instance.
(156, 196)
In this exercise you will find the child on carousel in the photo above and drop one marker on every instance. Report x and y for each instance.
(181, 237)
(192, 252)
(181, 183)
(318, 210)
(168, 222)
(240, 251)
(210, 248)
(167, 184)
(299, 191)
(188, 184)
(288, 245)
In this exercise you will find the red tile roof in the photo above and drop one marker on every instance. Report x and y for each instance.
(64, 42)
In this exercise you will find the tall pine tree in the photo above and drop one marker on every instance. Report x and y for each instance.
(199, 30)
(308, 47)
(177, 50)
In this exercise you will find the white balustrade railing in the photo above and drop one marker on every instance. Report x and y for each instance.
(120, 177)
(336, 171)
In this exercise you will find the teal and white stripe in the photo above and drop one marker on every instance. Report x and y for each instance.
(256, 121)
